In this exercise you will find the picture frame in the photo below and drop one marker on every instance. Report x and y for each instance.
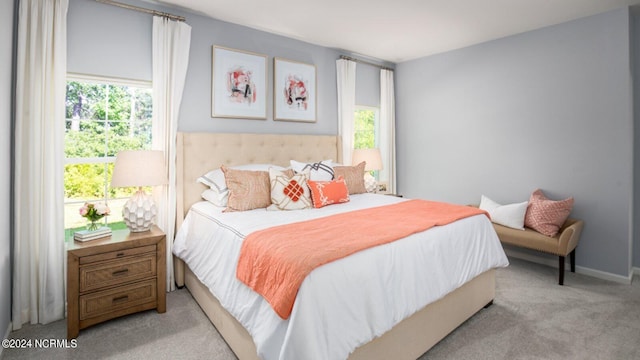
(238, 84)
(294, 91)
(382, 187)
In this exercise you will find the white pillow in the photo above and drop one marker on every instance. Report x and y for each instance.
(215, 197)
(215, 178)
(511, 215)
(319, 171)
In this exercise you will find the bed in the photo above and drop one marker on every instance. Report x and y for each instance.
(407, 339)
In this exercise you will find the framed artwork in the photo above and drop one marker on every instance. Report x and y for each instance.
(238, 84)
(382, 188)
(294, 91)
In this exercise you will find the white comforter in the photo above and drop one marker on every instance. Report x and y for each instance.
(348, 302)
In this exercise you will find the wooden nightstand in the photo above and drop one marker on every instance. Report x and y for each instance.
(114, 276)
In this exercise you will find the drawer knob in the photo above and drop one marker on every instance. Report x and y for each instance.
(120, 299)
(120, 272)
(120, 254)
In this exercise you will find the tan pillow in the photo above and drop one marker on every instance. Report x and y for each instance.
(353, 176)
(248, 190)
(547, 216)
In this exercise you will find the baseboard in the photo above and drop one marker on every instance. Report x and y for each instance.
(605, 275)
(636, 270)
(553, 262)
(6, 336)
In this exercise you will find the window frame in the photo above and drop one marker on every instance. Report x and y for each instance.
(376, 122)
(104, 160)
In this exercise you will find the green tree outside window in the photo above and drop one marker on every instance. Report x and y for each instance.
(365, 128)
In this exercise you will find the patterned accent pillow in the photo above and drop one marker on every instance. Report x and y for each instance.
(288, 191)
(547, 216)
(353, 176)
(325, 193)
(319, 171)
(248, 189)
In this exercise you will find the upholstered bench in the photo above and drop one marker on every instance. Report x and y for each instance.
(563, 244)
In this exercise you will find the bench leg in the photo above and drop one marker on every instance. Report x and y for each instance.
(572, 259)
(561, 273)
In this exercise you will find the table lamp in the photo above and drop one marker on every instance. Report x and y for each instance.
(139, 168)
(373, 162)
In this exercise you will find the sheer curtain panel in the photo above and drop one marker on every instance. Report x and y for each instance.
(388, 130)
(346, 77)
(171, 42)
(39, 272)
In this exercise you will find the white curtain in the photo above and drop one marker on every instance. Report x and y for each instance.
(346, 77)
(171, 42)
(39, 251)
(388, 130)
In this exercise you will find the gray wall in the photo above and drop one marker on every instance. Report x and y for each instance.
(549, 109)
(196, 108)
(126, 52)
(6, 51)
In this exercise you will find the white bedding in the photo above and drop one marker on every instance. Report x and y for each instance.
(348, 302)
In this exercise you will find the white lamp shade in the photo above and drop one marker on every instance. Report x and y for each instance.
(371, 156)
(139, 168)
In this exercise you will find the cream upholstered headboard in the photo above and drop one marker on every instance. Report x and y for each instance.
(198, 153)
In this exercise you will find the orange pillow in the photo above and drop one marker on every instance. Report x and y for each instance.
(325, 193)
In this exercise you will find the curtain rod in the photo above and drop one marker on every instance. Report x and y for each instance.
(345, 57)
(144, 10)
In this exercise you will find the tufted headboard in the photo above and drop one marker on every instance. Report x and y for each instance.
(198, 153)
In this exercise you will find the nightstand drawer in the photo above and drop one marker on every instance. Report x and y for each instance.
(117, 254)
(111, 301)
(116, 272)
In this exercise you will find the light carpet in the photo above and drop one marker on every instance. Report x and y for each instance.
(531, 318)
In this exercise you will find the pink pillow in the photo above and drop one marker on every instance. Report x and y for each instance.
(325, 193)
(547, 216)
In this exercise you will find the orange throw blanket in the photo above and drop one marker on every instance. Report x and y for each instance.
(275, 261)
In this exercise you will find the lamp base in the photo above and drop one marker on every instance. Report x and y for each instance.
(370, 183)
(140, 211)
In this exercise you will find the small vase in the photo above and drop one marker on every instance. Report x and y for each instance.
(93, 226)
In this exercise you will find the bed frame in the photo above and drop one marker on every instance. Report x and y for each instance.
(198, 153)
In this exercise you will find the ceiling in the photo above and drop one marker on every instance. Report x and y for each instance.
(398, 30)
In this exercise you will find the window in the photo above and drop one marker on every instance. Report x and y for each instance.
(365, 129)
(103, 116)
